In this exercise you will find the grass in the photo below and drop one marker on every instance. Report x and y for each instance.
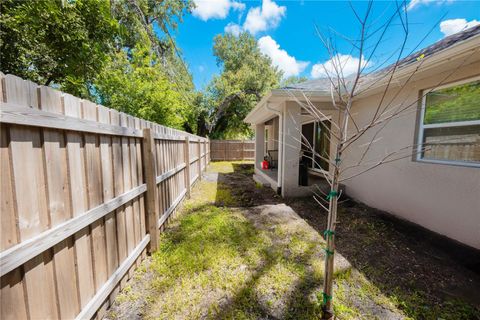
(214, 263)
(217, 261)
(226, 166)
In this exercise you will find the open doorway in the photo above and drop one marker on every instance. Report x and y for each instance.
(316, 136)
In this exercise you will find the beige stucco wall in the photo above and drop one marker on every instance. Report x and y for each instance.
(442, 198)
(291, 145)
(293, 120)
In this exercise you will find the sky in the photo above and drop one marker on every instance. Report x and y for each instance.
(286, 31)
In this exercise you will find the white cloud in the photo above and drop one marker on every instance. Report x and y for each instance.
(262, 18)
(280, 58)
(449, 27)
(233, 28)
(215, 9)
(344, 63)
(416, 3)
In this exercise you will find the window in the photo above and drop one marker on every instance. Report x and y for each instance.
(450, 125)
(316, 135)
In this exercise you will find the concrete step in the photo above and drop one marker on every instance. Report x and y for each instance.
(259, 179)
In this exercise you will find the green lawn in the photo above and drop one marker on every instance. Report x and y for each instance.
(220, 261)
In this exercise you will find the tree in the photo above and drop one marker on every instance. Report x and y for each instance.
(147, 76)
(110, 51)
(292, 80)
(246, 76)
(343, 130)
(63, 43)
(136, 84)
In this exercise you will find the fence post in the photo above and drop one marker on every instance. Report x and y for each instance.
(151, 196)
(199, 147)
(187, 166)
(205, 153)
(207, 143)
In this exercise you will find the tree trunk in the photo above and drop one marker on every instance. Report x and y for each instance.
(327, 309)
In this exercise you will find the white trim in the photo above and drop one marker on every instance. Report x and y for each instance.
(318, 170)
(450, 162)
(422, 126)
(451, 124)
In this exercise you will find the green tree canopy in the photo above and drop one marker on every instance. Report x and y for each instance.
(53, 41)
(138, 86)
(291, 80)
(115, 52)
(246, 76)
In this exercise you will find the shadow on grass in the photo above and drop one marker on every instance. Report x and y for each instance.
(425, 275)
(216, 264)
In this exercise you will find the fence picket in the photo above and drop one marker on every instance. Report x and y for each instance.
(229, 150)
(76, 213)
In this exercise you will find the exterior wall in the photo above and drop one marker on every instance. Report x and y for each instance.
(443, 198)
(259, 145)
(293, 120)
(291, 145)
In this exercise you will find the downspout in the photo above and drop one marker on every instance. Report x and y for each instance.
(280, 147)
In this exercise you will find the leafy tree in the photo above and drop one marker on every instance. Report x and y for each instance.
(118, 52)
(246, 76)
(292, 80)
(135, 83)
(63, 43)
(149, 23)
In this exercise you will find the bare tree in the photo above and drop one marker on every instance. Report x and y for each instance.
(344, 130)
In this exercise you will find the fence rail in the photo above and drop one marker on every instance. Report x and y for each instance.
(228, 150)
(85, 191)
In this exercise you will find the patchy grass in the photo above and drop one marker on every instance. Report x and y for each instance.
(220, 261)
(228, 166)
(214, 263)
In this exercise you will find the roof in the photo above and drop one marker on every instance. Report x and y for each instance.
(434, 55)
(324, 84)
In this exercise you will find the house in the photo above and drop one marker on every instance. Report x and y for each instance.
(436, 187)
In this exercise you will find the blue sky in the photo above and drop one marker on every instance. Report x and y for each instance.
(285, 30)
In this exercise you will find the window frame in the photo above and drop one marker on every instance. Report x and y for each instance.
(315, 123)
(422, 127)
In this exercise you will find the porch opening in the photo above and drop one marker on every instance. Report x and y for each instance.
(315, 152)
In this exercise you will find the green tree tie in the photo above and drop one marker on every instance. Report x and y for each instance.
(332, 194)
(328, 233)
(328, 252)
(326, 298)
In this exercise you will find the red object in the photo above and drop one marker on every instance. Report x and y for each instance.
(264, 164)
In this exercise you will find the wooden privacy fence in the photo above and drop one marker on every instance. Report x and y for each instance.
(84, 193)
(228, 150)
